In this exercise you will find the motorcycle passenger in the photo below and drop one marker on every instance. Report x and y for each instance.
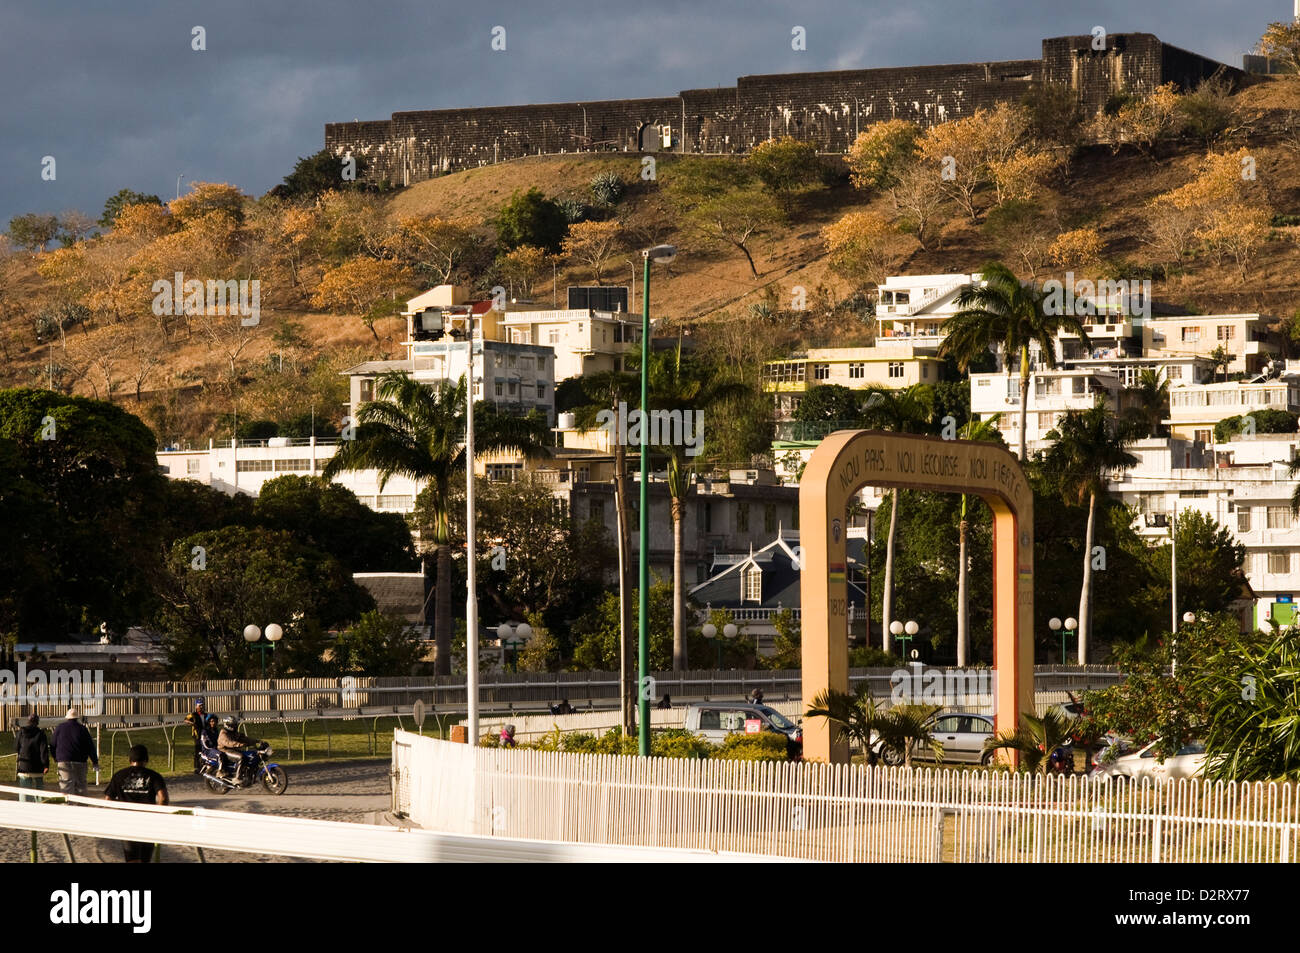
(208, 740)
(232, 744)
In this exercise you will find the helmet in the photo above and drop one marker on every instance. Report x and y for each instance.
(229, 723)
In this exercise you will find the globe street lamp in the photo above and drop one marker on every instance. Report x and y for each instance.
(661, 254)
(252, 634)
(506, 632)
(896, 629)
(710, 632)
(1055, 625)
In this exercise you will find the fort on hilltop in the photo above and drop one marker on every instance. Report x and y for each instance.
(827, 108)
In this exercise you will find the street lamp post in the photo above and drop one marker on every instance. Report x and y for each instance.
(897, 630)
(1070, 625)
(252, 634)
(661, 254)
(1189, 618)
(506, 632)
(710, 632)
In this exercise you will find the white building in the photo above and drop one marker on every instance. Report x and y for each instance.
(910, 309)
(1051, 394)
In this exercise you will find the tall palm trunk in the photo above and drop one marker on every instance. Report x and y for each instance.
(1024, 401)
(679, 621)
(962, 636)
(1085, 596)
(442, 614)
(887, 596)
(627, 696)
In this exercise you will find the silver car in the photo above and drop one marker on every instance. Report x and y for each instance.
(961, 734)
(1187, 762)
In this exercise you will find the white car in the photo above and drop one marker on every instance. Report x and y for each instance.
(1188, 762)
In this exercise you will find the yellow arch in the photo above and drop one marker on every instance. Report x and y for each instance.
(848, 460)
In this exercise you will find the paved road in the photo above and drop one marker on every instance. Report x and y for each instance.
(357, 791)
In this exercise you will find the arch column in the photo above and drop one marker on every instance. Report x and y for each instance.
(848, 460)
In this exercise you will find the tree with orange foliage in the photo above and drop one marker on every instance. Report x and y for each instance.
(208, 197)
(592, 244)
(434, 245)
(881, 152)
(363, 286)
(863, 247)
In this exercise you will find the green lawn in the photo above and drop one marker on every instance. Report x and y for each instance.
(324, 740)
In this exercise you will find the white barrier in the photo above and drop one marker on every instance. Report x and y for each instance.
(313, 839)
(837, 812)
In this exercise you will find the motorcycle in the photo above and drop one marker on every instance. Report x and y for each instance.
(257, 766)
(1061, 760)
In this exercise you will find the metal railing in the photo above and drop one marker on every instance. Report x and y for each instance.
(839, 813)
(240, 832)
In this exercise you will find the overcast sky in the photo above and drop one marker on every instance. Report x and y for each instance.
(116, 94)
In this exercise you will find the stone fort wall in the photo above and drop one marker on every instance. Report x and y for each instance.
(827, 108)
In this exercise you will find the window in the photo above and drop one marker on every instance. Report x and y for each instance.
(1243, 519)
(1191, 335)
(704, 517)
(513, 359)
(541, 390)
(1202, 436)
(500, 388)
(526, 363)
(895, 368)
(742, 517)
(293, 466)
(821, 372)
(253, 466)
(925, 371)
(710, 719)
(1226, 332)
(1279, 517)
(1279, 563)
(785, 372)
(396, 502)
(753, 586)
(857, 371)
(191, 466)
(769, 517)
(596, 512)
(553, 336)
(1174, 372)
(367, 390)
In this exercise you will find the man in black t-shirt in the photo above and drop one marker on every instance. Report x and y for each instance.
(138, 785)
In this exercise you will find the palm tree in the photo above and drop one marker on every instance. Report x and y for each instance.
(417, 431)
(604, 392)
(1152, 394)
(1292, 469)
(683, 386)
(1034, 740)
(903, 729)
(985, 430)
(1008, 313)
(856, 716)
(906, 410)
(1088, 449)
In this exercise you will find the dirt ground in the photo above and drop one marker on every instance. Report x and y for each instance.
(356, 791)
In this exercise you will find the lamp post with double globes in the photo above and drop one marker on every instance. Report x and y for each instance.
(897, 630)
(710, 632)
(253, 635)
(1070, 625)
(506, 632)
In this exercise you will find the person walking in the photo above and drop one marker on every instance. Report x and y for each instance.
(33, 749)
(137, 784)
(73, 747)
(196, 720)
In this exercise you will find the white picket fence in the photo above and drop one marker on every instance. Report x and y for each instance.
(837, 812)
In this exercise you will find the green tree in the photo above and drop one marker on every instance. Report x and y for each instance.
(786, 166)
(596, 633)
(906, 410)
(1152, 393)
(829, 404)
(1210, 563)
(96, 468)
(1087, 450)
(120, 200)
(329, 517)
(1008, 313)
(248, 576)
(33, 231)
(418, 432)
(1268, 420)
(379, 644)
(530, 218)
(725, 204)
(318, 173)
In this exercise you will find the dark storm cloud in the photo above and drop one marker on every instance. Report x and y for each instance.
(115, 93)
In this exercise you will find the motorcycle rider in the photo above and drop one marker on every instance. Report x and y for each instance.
(208, 740)
(232, 744)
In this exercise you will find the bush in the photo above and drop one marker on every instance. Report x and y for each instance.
(764, 746)
(872, 657)
(574, 210)
(679, 743)
(606, 188)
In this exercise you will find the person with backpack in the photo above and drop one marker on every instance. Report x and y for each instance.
(33, 748)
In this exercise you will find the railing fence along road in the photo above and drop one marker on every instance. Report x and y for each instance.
(836, 812)
(166, 702)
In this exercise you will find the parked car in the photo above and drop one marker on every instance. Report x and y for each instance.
(713, 721)
(961, 734)
(1187, 762)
